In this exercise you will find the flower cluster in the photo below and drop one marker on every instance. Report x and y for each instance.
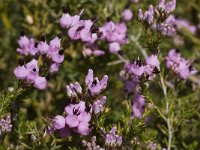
(77, 119)
(5, 125)
(29, 72)
(92, 145)
(136, 73)
(112, 139)
(160, 18)
(115, 34)
(77, 116)
(79, 29)
(84, 30)
(179, 65)
(88, 33)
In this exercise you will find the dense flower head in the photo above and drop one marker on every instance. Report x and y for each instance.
(27, 46)
(30, 74)
(79, 29)
(77, 118)
(77, 115)
(179, 65)
(114, 32)
(5, 125)
(168, 27)
(138, 106)
(160, 18)
(147, 16)
(135, 71)
(112, 139)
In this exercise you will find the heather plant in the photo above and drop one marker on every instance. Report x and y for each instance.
(98, 75)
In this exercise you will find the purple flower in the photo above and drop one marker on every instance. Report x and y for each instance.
(27, 46)
(112, 139)
(89, 77)
(23, 41)
(138, 105)
(54, 67)
(170, 6)
(167, 7)
(73, 90)
(5, 125)
(83, 128)
(84, 117)
(65, 20)
(179, 65)
(20, 72)
(58, 57)
(148, 16)
(98, 52)
(55, 43)
(135, 68)
(114, 47)
(98, 106)
(127, 14)
(40, 83)
(96, 87)
(153, 61)
(43, 47)
(72, 121)
(32, 70)
(59, 122)
(77, 117)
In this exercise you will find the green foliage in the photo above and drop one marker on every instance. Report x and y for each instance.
(175, 111)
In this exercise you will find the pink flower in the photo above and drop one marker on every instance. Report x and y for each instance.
(32, 70)
(83, 128)
(59, 122)
(43, 47)
(114, 47)
(89, 77)
(23, 41)
(20, 72)
(153, 61)
(58, 57)
(40, 83)
(54, 67)
(98, 53)
(98, 106)
(84, 117)
(72, 121)
(127, 14)
(65, 20)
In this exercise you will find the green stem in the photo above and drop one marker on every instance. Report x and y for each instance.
(167, 119)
